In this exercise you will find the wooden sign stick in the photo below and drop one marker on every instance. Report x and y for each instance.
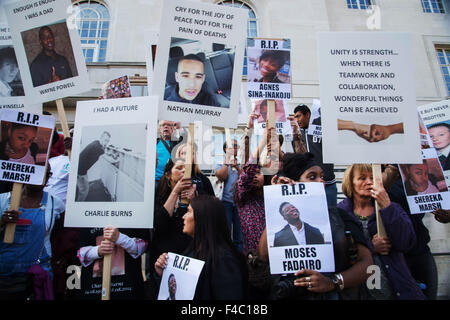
(63, 120)
(189, 162)
(106, 277)
(270, 123)
(376, 172)
(10, 228)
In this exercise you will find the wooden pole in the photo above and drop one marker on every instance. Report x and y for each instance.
(189, 161)
(270, 123)
(63, 120)
(106, 278)
(376, 172)
(10, 228)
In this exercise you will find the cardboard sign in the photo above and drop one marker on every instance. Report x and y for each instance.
(436, 118)
(199, 60)
(298, 228)
(112, 171)
(12, 94)
(424, 184)
(48, 49)
(366, 91)
(180, 278)
(269, 69)
(117, 88)
(24, 146)
(282, 124)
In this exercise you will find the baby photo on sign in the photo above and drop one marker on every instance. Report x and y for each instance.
(111, 166)
(199, 73)
(49, 53)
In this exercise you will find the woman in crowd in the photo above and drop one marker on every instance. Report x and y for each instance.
(224, 275)
(361, 192)
(126, 247)
(25, 268)
(19, 145)
(350, 272)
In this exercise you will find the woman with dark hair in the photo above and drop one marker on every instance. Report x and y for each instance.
(270, 62)
(350, 272)
(224, 275)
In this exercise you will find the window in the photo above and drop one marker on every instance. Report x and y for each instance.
(359, 4)
(443, 55)
(252, 26)
(92, 21)
(434, 6)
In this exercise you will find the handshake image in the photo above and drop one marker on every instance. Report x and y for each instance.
(371, 132)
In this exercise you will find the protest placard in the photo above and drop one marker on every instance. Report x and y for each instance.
(180, 277)
(366, 91)
(282, 124)
(117, 88)
(112, 172)
(436, 118)
(268, 68)
(24, 146)
(48, 49)
(12, 94)
(315, 121)
(199, 61)
(298, 228)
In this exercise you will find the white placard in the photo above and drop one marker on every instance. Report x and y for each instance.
(206, 86)
(368, 99)
(436, 117)
(285, 206)
(424, 184)
(315, 120)
(180, 277)
(112, 168)
(269, 69)
(12, 94)
(25, 145)
(282, 124)
(41, 28)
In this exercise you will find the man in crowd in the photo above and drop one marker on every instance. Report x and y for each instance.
(296, 232)
(190, 88)
(165, 145)
(313, 144)
(49, 66)
(229, 173)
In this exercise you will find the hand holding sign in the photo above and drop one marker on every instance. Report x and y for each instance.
(314, 281)
(381, 245)
(380, 194)
(161, 264)
(9, 216)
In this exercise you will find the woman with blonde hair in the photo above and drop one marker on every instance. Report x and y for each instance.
(361, 192)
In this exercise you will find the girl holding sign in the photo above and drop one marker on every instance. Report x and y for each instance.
(361, 192)
(224, 275)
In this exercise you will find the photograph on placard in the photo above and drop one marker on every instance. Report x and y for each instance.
(269, 68)
(49, 53)
(24, 145)
(110, 157)
(180, 277)
(48, 49)
(117, 88)
(297, 220)
(10, 80)
(315, 120)
(190, 72)
(282, 125)
(440, 137)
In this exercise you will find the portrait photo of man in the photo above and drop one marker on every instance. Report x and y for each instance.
(296, 232)
(190, 83)
(50, 57)
(172, 284)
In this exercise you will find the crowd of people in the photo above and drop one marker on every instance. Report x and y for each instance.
(228, 234)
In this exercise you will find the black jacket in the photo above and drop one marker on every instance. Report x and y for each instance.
(285, 237)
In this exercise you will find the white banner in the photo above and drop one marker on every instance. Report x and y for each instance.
(112, 170)
(298, 228)
(368, 98)
(48, 49)
(180, 278)
(198, 69)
